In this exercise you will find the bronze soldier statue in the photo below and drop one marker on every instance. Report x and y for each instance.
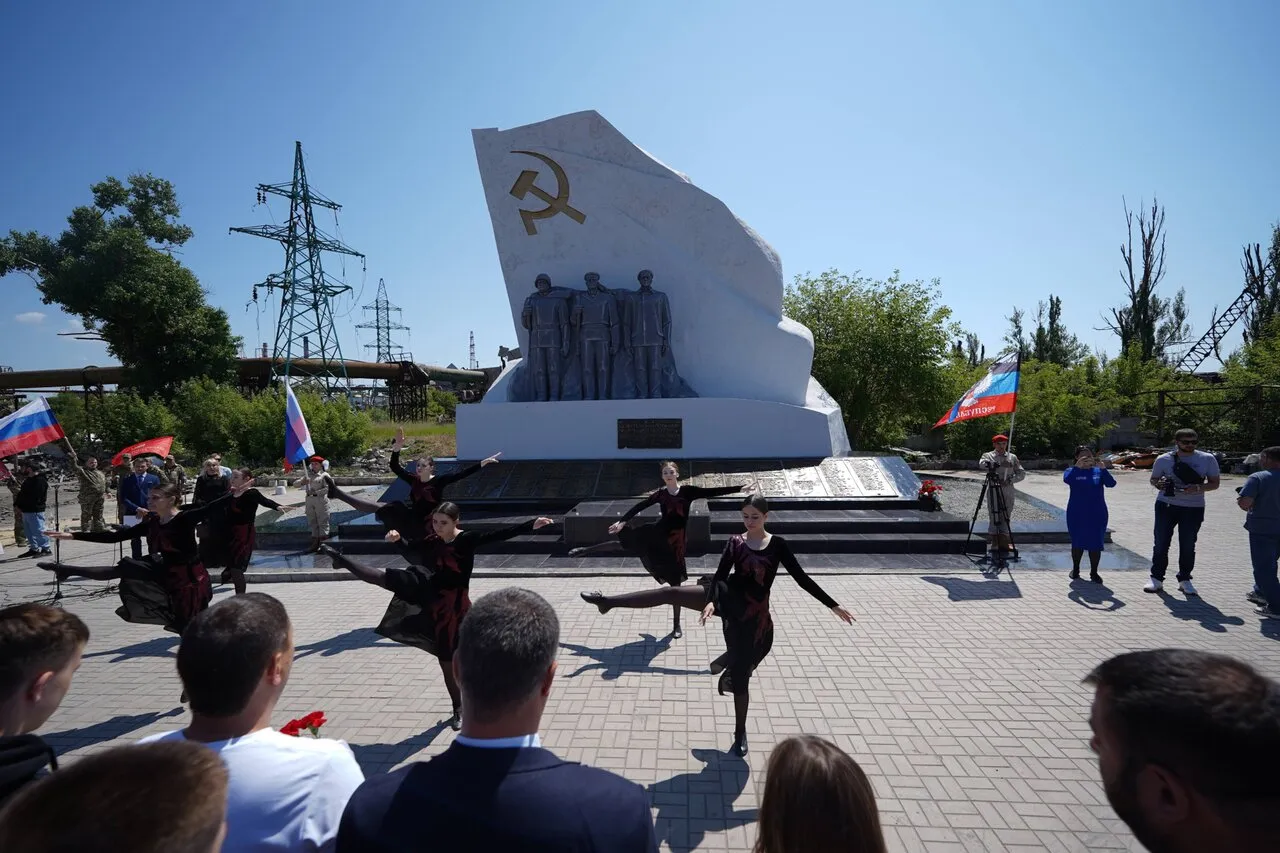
(547, 319)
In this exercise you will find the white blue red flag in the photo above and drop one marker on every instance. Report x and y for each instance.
(30, 426)
(297, 438)
(994, 394)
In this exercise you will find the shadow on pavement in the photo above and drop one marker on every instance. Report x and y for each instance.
(1094, 596)
(376, 758)
(636, 656)
(962, 589)
(116, 727)
(157, 647)
(1199, 610)
(717, 786)
(356, 638)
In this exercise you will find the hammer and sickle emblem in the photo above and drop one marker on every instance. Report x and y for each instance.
(558, 203)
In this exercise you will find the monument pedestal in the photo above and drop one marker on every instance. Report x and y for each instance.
(691, 427)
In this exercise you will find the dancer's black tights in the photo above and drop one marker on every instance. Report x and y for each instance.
(451, 683)
(1095, 557)
(690, 597)
(103, 573)
(362, 504)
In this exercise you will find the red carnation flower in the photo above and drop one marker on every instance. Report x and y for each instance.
(314, 720)
(293, 728)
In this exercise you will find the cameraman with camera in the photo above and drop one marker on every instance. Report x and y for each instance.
(1182, 477)
(1003, 470)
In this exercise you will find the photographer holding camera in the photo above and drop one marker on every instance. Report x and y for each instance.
(1003, 470)
(1182, 477)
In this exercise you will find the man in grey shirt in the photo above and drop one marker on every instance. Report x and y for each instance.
(1182, 477)
(1260, 497)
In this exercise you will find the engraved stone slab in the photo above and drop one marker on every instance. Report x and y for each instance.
(807, 482)
(650, 433)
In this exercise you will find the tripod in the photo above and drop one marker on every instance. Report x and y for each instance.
(1001, 518)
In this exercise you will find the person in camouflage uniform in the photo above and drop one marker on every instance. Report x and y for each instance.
(172, 473)
(19, 534)
(93, 492)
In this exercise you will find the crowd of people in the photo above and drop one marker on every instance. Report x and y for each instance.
(1187, 743)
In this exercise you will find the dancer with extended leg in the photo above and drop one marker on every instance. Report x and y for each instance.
(660, 544)
(430, 597)
(411, 519)
(740, 599)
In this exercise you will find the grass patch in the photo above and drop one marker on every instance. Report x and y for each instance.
(386, 431)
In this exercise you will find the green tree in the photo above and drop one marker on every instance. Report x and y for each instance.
(124, 418)
(69, 409)
(1051, 341)
(337, 431)
(970, 350)
(210, 417)
(881, 350)
(1262, 278)
(113, 268)
(1150, 321)
(441, 403)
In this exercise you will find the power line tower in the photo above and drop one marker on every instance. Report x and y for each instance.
(305, 327)
(383, 326)
(475, 365)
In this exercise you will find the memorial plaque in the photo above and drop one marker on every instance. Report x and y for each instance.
(650, 433)
(773, 483)
(806, 482)
(871, 477)
(840, 480)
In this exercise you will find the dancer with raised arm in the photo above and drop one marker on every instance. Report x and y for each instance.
(660, 544)
(739, 594)
(237, 535)
(412, 519)
(431, 597)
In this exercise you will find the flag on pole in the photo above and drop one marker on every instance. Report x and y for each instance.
(30, 426)
(297, 438)
(158, 446)
(994, 394)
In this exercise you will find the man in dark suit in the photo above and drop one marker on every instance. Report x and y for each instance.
(135, 488)
(495, 788)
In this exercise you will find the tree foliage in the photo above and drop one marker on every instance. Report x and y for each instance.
(113, 268)
(970, 350)
(881, 350)
(1262, 279)
(1150, 321)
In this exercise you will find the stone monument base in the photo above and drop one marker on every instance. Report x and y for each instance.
(698, 427)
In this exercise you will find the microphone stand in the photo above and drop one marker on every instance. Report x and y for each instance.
(57, 543)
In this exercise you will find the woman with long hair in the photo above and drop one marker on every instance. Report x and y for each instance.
(739, 594)
(1087, 515)
(661, 544)
(412, 518)
(169, 586)
(211, 484)
(430, 596)
(817, 800)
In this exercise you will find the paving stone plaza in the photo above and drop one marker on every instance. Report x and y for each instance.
(959, 693)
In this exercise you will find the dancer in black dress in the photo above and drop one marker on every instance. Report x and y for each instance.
(740, 599)
(233, 537)
(412, 519)
(430, 596)
(661, 544)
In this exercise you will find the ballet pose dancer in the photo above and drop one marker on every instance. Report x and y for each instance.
(412, 520)
(660, 544)
(740, 599)
(236, 534)
(430, 597)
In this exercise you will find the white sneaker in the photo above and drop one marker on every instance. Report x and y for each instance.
(1186, 588)
(1154, 585)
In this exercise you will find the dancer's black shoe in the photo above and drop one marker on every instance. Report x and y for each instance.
(1075, 573)
(677, 632)
(739, 747)
(57, 568)
(455, 722)
(1095, 577)
(577, 552)
(596, 598)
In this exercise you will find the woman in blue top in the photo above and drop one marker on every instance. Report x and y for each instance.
(1087, 509)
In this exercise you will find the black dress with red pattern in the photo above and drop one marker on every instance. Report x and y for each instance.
(742, 603)
(430, 598)
(413, 519)
(660, 544)
(170, 585)
(230, 537)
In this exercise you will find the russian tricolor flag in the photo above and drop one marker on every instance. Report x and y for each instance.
(297, 438)
(994, 394)
(30, 426)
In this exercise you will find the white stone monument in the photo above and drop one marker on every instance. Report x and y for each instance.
(571, 196)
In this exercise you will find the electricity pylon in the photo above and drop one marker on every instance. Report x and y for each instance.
(382, 325)
(305, 327)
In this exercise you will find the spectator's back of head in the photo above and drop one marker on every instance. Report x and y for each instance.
(40, 650)
(228, 649)
(506, 655)
(1188, 742)
(817, 800)
(156, 798)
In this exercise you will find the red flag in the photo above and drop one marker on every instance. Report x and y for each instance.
(4, 472)
(158, 446)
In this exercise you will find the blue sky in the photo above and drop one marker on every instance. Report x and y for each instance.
(987, 144)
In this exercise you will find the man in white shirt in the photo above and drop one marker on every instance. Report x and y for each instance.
(287, 793)
(1182, 476)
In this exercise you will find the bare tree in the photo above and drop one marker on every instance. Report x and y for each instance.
(1262, 280)
(1149, 322)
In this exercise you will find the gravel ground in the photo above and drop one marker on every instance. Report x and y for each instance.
(960, 496)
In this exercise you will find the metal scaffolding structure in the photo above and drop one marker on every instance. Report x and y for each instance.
(387, 350)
